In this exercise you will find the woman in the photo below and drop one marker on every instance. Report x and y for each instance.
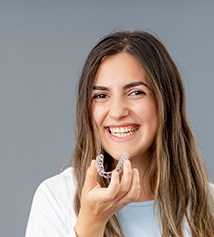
(130, 99)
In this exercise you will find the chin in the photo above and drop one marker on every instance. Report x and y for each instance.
(117, 153)
(114, 154)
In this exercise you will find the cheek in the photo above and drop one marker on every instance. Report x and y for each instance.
(98, 114)
(152, 113)
(152, 117)
(147, 111)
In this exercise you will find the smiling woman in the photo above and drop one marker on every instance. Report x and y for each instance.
(130, 99)
(124, 109)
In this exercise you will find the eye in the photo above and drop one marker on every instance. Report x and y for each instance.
(137, 92)
(99, 96)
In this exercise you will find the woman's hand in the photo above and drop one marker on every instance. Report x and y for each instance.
(98, 204)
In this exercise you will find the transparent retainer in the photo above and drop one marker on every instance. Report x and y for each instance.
(100, 165)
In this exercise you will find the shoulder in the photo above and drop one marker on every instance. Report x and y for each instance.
(60, 181)
(52, 207)
(60, 187)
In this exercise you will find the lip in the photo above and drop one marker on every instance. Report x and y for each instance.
(134, 126)
(123, 125)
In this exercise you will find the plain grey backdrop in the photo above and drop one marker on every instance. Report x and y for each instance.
(43, 45)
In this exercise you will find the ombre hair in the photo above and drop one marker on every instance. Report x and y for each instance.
(178, 176)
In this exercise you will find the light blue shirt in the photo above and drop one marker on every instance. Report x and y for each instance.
(140, 219)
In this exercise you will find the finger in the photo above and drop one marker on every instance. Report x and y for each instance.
(134, 192)
(91, 177)
(126, 179)
(113, 187)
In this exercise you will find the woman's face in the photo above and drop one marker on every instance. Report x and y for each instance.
(123, 107)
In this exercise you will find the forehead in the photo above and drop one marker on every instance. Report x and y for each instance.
(120, 68)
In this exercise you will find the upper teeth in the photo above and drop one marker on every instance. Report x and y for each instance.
(122, 130)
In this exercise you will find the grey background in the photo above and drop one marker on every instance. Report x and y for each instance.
(43, 45)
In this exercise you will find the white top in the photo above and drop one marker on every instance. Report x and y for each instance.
(52, 213)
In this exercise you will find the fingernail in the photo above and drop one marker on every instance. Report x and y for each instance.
(127, 163)
(114, 174)
(93, 162)
(136, 172)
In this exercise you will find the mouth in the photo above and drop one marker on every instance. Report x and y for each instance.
(122, 131)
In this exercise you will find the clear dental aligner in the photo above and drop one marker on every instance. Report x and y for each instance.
(100, 165)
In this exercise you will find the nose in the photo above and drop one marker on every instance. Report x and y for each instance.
(118, 108)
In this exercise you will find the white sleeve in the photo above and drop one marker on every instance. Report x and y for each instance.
(52, 213)
(212, 196)
(211, 189)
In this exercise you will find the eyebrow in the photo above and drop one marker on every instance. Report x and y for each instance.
(133, 84)
(130, 85)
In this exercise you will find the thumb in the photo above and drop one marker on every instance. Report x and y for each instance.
(91, 177)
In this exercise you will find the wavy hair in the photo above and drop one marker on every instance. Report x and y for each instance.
(178, 176)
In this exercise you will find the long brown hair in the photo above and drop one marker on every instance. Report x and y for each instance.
(178, 177)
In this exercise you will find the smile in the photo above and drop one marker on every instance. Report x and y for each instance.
(122, 131)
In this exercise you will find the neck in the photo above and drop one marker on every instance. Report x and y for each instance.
(143, 167)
